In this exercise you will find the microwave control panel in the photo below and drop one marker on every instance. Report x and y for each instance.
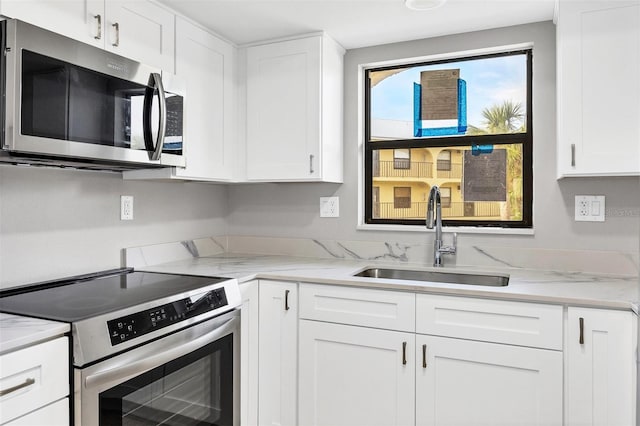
(131, 326)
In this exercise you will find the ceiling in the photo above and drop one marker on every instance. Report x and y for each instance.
(356, 23)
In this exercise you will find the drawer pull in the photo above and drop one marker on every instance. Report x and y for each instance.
(286, 300)
(581, 340)
(116, 27)
(404, 353)
(26, 383)
(573, 155)
(98, 19)
(424, 356)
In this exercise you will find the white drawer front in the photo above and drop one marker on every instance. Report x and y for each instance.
(42, 374)
(56, 414)
(514, 323)
(390, 310)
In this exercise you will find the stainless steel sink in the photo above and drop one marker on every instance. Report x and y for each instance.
(436, 276)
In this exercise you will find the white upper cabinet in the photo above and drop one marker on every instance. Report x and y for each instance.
(598, 52)
(294, 110)
(207, 65)
(139, 30)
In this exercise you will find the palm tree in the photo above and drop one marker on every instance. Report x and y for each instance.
(505, 118)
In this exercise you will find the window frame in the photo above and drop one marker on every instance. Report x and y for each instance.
(525, 139)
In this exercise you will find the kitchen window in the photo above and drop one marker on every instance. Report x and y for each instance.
(464, 124)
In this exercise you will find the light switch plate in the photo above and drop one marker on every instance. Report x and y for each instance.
(329, 207)
(589, 208)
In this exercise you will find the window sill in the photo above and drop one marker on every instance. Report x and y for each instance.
(458, 229)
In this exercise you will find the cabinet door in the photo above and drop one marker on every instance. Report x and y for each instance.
(206, 64)
(283, 110)
(56, 414)
(355, 376)
(249, 354)
(141, 30)
(601, 369)
(598, 87)
(463, 382)
(278, 342)
(82, 20)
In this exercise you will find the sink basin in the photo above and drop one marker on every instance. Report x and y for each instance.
(435, 276)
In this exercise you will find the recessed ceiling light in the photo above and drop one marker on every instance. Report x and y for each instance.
(423, 4)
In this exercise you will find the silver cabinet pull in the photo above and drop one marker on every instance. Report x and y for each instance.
(116, 26)
(98, 18)
(286, 300)
(24, 384)
(424, 356)
(404, 353)
(311, 164)
(581, 339)
(573, 155)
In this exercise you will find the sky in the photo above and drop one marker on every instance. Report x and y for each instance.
(489, 81)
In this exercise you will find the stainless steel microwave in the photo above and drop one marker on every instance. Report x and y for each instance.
(66, 103)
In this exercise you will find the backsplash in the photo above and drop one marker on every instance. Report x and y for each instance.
(587, 261)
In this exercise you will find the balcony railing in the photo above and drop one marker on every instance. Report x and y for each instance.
(454, 170)
(456, 210)
(415, 169)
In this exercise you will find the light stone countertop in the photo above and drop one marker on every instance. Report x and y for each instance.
(17, 331)
(566, 288)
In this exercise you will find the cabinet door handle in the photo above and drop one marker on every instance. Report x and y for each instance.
(116, 26)
(404, 353)
(24, 384)
(573, 155)
(424, 356)
(311, 164)
(98, 18)
(286, 300)
(581, 340)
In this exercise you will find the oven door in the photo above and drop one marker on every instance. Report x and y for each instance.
(190, 377)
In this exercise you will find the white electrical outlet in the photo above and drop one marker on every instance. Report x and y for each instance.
(589, 208)
(329, 207)
(126, 207)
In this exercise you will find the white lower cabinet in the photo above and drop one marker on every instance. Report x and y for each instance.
(355, 376)
(463, 382)
(56, 414)
(601, 367)
(278, 353)
(32, 379)
(249, 324)
(355, 356)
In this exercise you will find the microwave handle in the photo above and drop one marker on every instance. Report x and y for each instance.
(155, 83)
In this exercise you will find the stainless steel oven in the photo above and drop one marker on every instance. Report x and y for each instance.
(148, 349)
(68, 103)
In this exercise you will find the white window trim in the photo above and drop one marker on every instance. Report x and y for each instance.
(361, 226)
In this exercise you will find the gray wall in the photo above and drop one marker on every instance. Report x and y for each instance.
(291, 210)
(56, 223)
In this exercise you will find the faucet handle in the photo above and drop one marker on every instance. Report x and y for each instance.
(452, 249)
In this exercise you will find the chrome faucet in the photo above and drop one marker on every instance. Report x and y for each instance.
(434, 219)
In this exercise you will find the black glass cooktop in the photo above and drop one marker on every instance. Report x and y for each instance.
(72, 300)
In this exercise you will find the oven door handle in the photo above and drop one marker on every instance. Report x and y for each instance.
(138, 367)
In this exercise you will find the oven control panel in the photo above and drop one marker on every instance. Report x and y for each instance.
(131, 326)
